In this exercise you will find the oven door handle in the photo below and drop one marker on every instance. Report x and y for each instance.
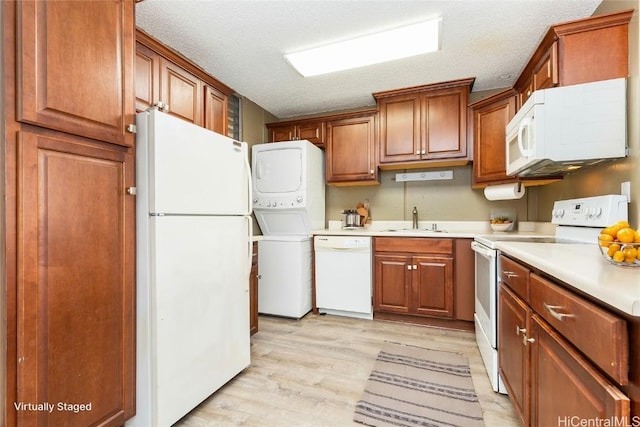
(483, 250)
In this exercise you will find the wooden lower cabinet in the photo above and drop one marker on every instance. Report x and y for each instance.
(565, 385)
(514, 357)
(253, 291)
(550, 379)
(75, 295)
(419, 283)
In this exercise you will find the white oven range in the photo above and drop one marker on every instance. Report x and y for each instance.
(576, 220)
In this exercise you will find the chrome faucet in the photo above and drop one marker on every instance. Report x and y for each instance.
(415, 218)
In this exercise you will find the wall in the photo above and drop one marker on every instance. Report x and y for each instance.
(447, 200)
(455, 200)
(606, 179)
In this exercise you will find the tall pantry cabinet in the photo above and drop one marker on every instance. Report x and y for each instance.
(68, 247)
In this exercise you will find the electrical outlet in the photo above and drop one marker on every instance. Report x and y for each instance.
(625, 190)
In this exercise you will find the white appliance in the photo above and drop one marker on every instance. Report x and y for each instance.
(343, 276)
(577, 220)
(284, 266)
(288, 201)
(561, 129)
(193, 261)
(288, 187)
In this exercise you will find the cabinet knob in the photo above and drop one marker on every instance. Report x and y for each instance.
(408, 267)
(371, 171)
(131, 128)
(526, 341)
(519, 329)
(132, 191)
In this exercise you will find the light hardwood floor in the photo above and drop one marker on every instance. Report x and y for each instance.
(312, 372)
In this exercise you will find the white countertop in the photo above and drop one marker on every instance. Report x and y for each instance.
(582, 267)
(446, 229)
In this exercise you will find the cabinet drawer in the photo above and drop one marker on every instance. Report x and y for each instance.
(515, 276)
(598, 334)
(414, 245)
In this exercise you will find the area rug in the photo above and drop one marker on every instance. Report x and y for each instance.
(413, 386)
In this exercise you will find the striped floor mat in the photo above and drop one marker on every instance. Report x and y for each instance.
(413, 386)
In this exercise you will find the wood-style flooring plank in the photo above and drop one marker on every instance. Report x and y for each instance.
(311, 372)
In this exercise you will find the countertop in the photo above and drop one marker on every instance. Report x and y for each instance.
(582, 267)
(444, 229)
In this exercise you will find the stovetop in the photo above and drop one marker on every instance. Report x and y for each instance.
(576, 220)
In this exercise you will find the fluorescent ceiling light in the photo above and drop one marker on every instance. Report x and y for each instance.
(389, 45)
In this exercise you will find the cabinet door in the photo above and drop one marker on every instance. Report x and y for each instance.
(545, 75)
(215, 110)
(400, 129)
(489, 135)
(350, 151)
(312, 132)
(432, 285)
(75, 67)
(76, 291)
(444, 124)
(392, 283)
(566, 386)
(513, 351)
(282, 133)
(147, 78)
(181, 91)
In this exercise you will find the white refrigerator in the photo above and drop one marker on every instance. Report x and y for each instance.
(193, 262)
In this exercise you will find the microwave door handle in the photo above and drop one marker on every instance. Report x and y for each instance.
(524, 124)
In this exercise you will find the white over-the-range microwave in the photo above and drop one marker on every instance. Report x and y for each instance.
(561, 129)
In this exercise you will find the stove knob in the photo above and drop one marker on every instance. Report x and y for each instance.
(597, 212)
(299, 199)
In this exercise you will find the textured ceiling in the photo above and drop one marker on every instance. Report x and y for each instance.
(242, 43)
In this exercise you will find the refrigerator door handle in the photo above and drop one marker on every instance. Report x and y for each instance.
(249, 184)
(250, 239)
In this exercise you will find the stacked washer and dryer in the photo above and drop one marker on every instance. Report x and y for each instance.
(288, 202)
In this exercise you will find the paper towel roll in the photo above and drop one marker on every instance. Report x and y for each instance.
(504, 191)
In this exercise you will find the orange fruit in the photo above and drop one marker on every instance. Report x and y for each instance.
(626, 235)
(618, 256)
(611, 230)
(605, 240)
(622, 224)
(613, 248)
(636, 239)
(630, 254)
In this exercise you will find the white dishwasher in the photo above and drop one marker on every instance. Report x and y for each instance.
(343, 275)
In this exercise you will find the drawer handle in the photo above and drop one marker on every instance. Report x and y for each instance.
(552, 311)
(509, 274)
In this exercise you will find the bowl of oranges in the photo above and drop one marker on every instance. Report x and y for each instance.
(620, 244)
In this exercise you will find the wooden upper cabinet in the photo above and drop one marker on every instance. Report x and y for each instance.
(350, 151)
(215, 110)
(147, 78)
(490, 117)
(400, 139)
(75, 67)
(181, 91)
(168, 81)
(580, 51)
(423, 125)
(312, 130)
